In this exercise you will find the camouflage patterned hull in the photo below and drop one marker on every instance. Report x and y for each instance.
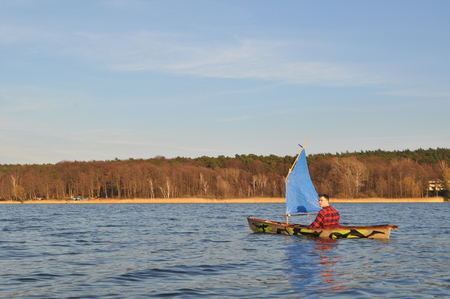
(343, 232)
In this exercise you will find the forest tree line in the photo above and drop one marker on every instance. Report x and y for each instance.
(383, 174)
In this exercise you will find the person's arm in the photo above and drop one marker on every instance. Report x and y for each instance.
(318, 222)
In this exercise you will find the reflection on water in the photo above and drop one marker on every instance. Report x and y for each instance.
(324, 249)
(311, 264)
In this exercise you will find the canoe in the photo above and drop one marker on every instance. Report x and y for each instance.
(303, 199)
(341, 232)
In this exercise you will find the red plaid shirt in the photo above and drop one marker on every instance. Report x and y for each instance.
(328, 216)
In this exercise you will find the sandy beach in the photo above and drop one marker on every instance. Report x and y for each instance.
(209, 200)
(425, 199)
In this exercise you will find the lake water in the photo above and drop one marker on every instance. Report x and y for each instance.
(208, 251)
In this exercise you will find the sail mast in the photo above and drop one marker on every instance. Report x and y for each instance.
(302, 147)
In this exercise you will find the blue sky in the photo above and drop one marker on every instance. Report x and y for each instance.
(96, 80)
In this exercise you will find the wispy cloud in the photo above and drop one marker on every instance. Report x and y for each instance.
(187, 55)
(36, 98)
(242, 59)
(234, 119)
(418, 93)
(23, 34)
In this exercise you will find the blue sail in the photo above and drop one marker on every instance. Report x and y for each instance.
(301, 196)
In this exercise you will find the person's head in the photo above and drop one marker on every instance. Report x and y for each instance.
(324, 200)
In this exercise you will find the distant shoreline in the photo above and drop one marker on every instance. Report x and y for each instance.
(228, 200)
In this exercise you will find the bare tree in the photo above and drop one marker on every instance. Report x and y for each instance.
(152, 189)
(204, 186)
(353, 174)
(167, 189)
(14, 177)
(445, 169)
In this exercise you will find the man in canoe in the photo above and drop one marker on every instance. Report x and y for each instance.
(328, 216)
